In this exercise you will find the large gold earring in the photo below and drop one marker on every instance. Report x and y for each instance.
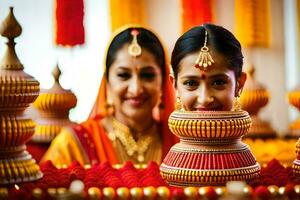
(178, 103)
(236, 102)
(109, 105)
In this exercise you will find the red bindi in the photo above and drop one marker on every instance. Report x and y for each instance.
(202, 74)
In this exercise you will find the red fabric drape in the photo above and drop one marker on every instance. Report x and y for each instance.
(196, 12)
(69, 22)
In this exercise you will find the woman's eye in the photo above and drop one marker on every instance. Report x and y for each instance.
(124, 75)
(219, 83)
(148, 76)
(190, 83)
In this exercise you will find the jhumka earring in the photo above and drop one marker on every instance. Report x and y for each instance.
(204, 58)
(178, 103)
(109, 105)
(236, 102)
(134, 48)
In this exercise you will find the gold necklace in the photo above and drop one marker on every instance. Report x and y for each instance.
(132, 147)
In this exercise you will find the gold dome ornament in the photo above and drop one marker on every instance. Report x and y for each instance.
(210, 151)
(53, 106)
(18, 90)
(254, 97)
(294, 99)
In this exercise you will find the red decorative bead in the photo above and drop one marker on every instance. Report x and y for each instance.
(134, 32)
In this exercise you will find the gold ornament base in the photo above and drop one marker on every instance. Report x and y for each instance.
(19, 169)
(16, 164)
(296, 168)
(294, 129)
(197, 178)
(296, 163)
(46, 131)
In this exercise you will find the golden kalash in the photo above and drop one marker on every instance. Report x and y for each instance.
(210, 151)
(18, 90)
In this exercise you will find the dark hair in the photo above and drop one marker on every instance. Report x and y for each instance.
(146, 39)
(219, 38)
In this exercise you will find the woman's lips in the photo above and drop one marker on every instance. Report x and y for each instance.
(136, 101)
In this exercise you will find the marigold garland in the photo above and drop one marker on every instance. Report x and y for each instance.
(253, 22)
(124, 12)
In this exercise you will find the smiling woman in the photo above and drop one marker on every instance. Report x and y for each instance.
(215, 86)
(129, 118)
(207, 63)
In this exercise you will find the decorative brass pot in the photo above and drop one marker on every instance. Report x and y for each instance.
(18, 90)
(296, 163)
(254, 97)
(210, 151)
(294, 99)
(53, 107)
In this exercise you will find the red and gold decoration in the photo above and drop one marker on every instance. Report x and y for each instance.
(254, 97)
(134, 49)
(53, 106)
(210, 151)
(253, 22)
(296, 164)
(204, 59)
(128, 181)
(124, 12)
(18, 90)
(69, 29)
(294, 99)
(196, 12)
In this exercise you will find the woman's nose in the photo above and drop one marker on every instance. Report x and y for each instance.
(135, 86)
(204, 97)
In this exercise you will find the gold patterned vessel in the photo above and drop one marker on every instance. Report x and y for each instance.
(18, 90)
(296, 163)
(210, 151)
(53, 107)
(254, 97)
(294, 99)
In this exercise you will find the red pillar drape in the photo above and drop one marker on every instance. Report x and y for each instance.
(196, 12)
(69, 29)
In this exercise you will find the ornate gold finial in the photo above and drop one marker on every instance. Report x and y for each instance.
(10, 27)
(204, 58)
(56, 73)
(134, 48)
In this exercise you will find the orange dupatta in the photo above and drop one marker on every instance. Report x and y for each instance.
(99, 111)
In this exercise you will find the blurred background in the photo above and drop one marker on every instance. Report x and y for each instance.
(272, 47)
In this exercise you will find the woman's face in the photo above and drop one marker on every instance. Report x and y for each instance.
(210, 89)
(134, 83)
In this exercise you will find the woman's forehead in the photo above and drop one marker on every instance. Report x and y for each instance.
(125, 60)
(187, 65)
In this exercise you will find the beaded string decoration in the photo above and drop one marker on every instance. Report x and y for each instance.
(204, 58)
(134, 48)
